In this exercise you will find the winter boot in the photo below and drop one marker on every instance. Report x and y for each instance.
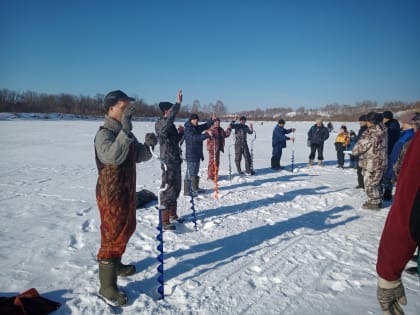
(108, 269)
(195, 181)
(311, 162)
(166, 225)
(238, 167)
(387, 196)
(187, 185)
(274, 165)
(319, 162)
(372, 206)
(125, 270)
(173, 215)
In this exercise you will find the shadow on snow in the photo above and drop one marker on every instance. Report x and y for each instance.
(228, 249)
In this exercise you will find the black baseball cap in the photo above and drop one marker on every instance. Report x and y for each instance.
(114, 97)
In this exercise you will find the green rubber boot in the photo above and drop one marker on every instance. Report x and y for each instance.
(187, 184)
(108, 269)
(125, 270)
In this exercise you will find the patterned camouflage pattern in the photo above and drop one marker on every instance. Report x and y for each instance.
(214, 146)
(372, 148)
(116, 198)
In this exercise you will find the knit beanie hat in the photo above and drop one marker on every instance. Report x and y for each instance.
(388, 114)
(194, 116)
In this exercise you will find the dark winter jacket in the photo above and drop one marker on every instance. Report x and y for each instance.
(194, 138)
(353, 140)
(318, 135)
(279, 139)
(360, 132)
(393, 129)
(169, 137)
(401, 233)
(406, 135)
(241, 130)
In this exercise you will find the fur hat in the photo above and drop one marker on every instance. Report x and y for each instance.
(362, 118)
(165, 106)
(374, 117)
(408, 118)
(416, 120)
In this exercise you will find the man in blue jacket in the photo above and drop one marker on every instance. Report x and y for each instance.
(407, 133)
(279, 142)
(194, 135)
(317, 135)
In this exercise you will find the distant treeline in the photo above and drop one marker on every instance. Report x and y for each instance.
(33, 102)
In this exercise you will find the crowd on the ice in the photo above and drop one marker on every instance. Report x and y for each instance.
(384, 152)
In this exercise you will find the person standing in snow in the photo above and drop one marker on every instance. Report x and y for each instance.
(372, 151)
(241, 144)
(117, 151)
(169, 139)
(397, 165)
(392, 128)
(341, 142)
(363, 127)
(317, 135)
(353, 139)
(407, 132)
(215, 145)
(401, 233)
(278, 142)
(194, 135)
(330, 126)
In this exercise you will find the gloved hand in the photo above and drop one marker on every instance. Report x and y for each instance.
(150, 140)
(126, 117)
(390, 295)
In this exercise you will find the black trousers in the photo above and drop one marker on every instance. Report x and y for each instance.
(173, 178)
(340, 157)
(317, 147)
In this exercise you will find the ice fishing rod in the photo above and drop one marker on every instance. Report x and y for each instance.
(252, 151)
(293, 150)
(215, 171)
(191, 193)
(159, 237)
(229, 156)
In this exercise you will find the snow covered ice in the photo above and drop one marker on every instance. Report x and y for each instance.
(273, 243)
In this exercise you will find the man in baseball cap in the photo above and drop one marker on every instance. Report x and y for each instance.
(114, 97)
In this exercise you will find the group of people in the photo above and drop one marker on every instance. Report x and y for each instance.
(117, 151)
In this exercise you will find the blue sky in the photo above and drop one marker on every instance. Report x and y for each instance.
(248, 54)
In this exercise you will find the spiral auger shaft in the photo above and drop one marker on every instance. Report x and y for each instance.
(159, 236)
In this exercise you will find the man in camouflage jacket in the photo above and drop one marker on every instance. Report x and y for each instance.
(372, 148)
